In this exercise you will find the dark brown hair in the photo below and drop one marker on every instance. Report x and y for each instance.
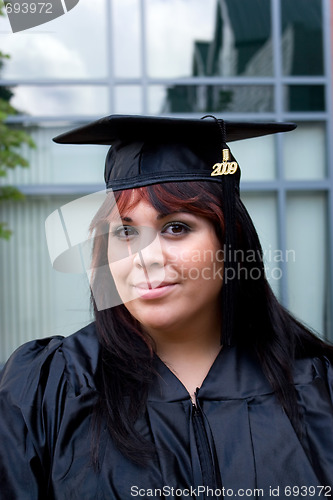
(257, 321)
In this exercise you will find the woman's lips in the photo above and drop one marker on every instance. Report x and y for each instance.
(154, 290)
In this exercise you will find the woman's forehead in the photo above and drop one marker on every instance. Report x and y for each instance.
(142, 209)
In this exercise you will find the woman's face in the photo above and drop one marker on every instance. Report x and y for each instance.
(172, 276)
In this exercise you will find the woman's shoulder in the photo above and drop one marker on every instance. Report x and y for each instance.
(48, 362)
(315, 370)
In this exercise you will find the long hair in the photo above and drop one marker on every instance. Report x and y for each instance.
(258, 321)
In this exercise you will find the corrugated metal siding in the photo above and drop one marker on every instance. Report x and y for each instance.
(33, 296)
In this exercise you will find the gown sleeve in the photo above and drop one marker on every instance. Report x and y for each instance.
(32, 387)
(329, 377)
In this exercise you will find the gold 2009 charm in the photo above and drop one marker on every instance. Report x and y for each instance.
(226, 167)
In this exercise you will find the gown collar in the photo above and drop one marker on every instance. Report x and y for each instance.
(235, 374)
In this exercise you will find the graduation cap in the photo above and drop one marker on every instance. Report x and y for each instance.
(148, 150)
(151, 150)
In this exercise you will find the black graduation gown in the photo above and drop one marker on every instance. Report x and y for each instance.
(238, 441)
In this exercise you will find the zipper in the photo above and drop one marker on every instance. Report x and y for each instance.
(204, 452)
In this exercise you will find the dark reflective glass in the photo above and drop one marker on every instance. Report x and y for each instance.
(302, 37)
(211, 98)
(210, 38)
(305, 98)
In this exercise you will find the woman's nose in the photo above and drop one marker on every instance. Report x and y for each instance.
(151, 255)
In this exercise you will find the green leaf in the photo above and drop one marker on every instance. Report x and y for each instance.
(10, 193)
(5, 233)
(12, 140)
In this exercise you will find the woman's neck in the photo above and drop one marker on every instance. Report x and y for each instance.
(189, 355)
(191, 366)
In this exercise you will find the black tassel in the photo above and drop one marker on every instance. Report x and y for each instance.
(229, 191)
(230, 281)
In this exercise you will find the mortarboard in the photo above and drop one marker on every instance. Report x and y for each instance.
(147, 150)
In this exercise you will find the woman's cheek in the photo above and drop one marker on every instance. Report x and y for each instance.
(174, 274)
(172, 254)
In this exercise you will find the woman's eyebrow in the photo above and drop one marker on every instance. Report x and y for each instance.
(160, 216)
(168, 214)
(128, 219)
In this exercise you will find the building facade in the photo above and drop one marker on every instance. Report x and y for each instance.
(262, 60)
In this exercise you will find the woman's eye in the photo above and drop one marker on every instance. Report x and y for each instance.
(176, 228)
(124, 232)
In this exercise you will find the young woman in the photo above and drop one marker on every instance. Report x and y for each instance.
(196, 383)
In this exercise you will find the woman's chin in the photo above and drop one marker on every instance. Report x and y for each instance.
(154, 318)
